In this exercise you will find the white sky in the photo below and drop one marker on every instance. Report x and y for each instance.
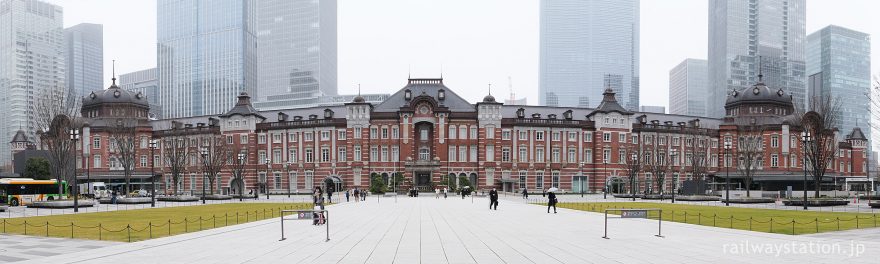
(475, 42)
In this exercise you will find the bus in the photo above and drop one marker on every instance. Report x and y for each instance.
(23, 191)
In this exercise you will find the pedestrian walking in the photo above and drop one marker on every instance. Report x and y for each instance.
(525, 193)
(357, 195)
(329, 195)
(346, 196)
(436, 193)
(445, 195)
(493, 199)
(551, 200)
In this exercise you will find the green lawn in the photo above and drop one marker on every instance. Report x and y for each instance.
(762, 220)
(142, 224)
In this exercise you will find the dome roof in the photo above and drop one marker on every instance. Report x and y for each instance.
(358, 99)
(114, 94)
(489, 99)
(759, 93)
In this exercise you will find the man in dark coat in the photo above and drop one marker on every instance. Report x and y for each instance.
(493, 199)
(551, 202)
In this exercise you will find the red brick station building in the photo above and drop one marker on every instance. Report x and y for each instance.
(429, 134)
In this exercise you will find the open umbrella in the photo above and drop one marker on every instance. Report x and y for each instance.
(553, 189)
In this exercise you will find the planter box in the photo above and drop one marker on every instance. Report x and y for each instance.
(246, 196)
(61, 204)
(218, 197)
(874, 204)
(180, 198)
(626, 195)
(127, 200)
(814, 202)
(869, 197)
(698, 198)
(750, 200)
(657, 196)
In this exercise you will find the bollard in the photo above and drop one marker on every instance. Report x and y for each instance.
(857, 222)
(169, 227)
(700, 218)
(47, 228)
(200, 223)
(215, 220)
(731, 221)
(714, 217)
(100, 228)
(771, 224)
(226, 219)
(151, 229)
(838, 223)
(817, 225)
(792, 226)
(71, 229)
(25, 227)
(185, 225)
(750, 223)
(128, 227)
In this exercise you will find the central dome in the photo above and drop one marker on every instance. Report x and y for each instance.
(114, 94)
(759, 93)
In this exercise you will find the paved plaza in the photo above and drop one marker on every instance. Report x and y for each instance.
(20, 248)
(455, 230)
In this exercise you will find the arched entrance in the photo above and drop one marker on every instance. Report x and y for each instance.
(474, 182)
(235, 186)
(616, 185)
(332, 184)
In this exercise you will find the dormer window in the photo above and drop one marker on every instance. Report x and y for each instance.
(520, 113)
(407, 95)
(328, 113)
(441, 95)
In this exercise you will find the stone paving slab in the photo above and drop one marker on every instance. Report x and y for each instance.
(430, 230)
(21, 248)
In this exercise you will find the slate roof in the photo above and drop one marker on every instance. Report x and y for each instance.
(243, 107)
(609, 104)
(19, 137)
(855, 134)
(114, 94)
(759, 93)
(428, 87)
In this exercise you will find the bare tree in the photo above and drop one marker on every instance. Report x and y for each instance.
(176, 152)
(123, 142)
(821, 123)
(697, 154)
(215, 156)
(55, 115)
(657, 163)
(239, 156)
(750, 151)
(632, 163)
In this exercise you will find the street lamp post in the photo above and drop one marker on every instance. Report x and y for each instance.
(675, 179)
(288, 178)
(241, 157)
(204, 172)
(582, 178)
(727, 146)
(74, 136)
(806, 138)
(632, 177)
(153, 173)
(604, 172)
(266, 180)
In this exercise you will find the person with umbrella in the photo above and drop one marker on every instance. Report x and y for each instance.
(493, 199)
(551, 199)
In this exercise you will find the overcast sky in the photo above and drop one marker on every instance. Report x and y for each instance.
(474, 42)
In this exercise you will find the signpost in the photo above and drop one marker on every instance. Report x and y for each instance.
(305, 215)
(635, 213)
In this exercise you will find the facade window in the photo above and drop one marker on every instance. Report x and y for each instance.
(606, 136)
(277, 180)
(572, 155)
(452, 132)
(395, 132)
(292, 155)
(261, 139)
(291, 137)
(309, 136)
(276, 155)
(523, 154)
(395, 154)
(357, 132)
(505, 134)
(539, 180)
(490, 132)
(276, 138)
(310, 180)
(462, 132)
(452, 153)
(505, 154)
(621, 156)
(473, 153)
(340, 134)
(384, 154)
(262, 157)
(676, 141)
(325, 154)
(661, 140)
(243, 139)
(462, 153)
(357, 153)
(556, 136)
(539, 154)
(490, 153)
(143, 161)
(229, 140)
(340, 154)
(621, 138)
(325, 135)
(606, 156)
(374, 153)
(310, 156)
(96, 142)
(554, 179)
(572, 136)
(424, 154)
(374, 132)
(794, 161)
(774, 142)
(539, 135)
(635, 139)
(522, 179)
(384, 132)
(523, 135)
(555, 155)
(588, 136)
(588, 156)
(774, 161)
(474, 132)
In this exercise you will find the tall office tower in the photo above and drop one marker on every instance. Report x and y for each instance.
(839, 66)
(206, 55)
(31, 62)
(84, 58)
(146, 83)
(688, 88)
(297, 52)
(746, 33)
(587, 46)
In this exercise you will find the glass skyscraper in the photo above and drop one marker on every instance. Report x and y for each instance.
(206, 55)
(85, 59)
(839, 66)
(746, 33)
(146, 83)
(586, 46)
(297, 51)
(31, 48)
(687, 88)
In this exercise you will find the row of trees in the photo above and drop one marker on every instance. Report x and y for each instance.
(659, 160)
